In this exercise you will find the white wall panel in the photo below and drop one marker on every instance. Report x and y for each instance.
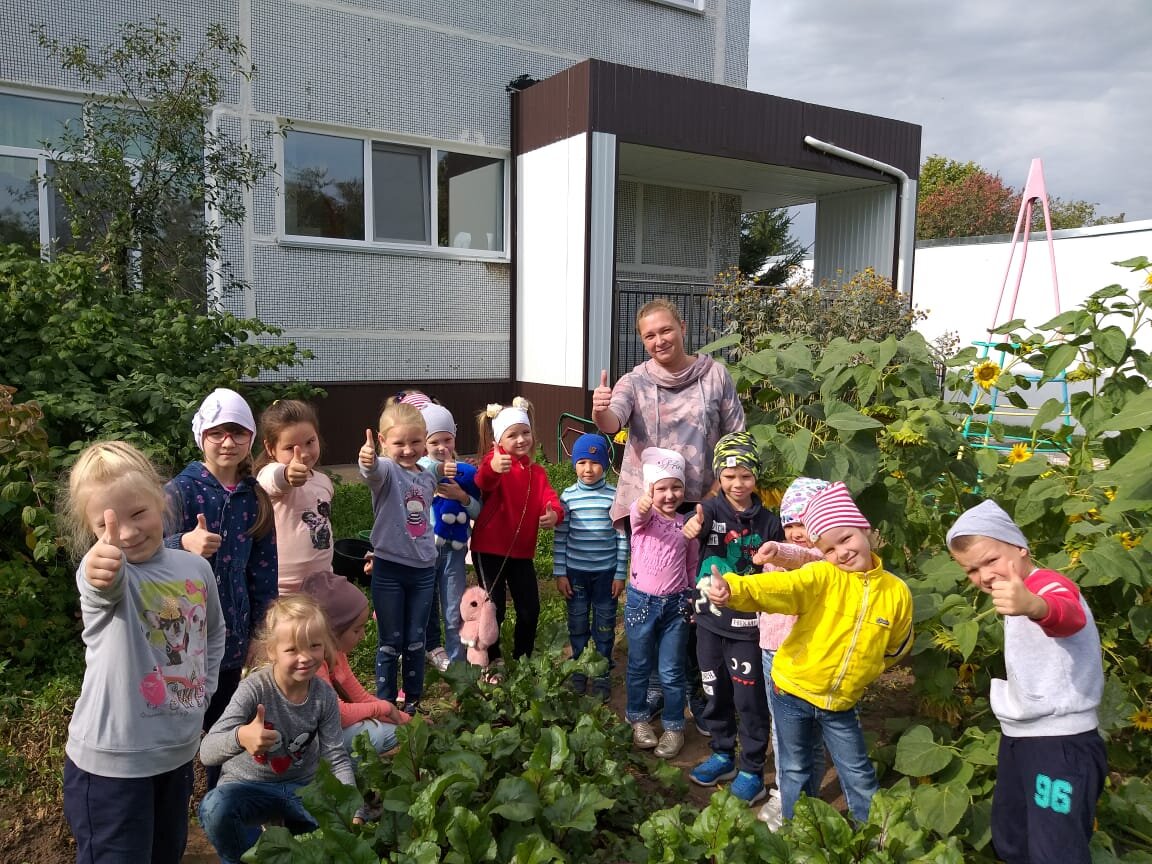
(552, 199)
(855, 230)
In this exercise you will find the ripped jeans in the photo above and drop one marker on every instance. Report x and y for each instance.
(657, 631)
(401, 598)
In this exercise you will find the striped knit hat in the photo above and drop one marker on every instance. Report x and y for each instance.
(832, 508)
(737, 450)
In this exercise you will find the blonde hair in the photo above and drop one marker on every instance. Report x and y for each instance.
(484, 420)
(660, 304)
(101, 465)
(310, 625)
(401, 414)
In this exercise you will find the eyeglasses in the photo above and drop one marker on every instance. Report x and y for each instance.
(217, 436)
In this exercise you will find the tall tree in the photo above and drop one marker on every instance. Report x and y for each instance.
(961, 199)
(767, 235)
(138, 176)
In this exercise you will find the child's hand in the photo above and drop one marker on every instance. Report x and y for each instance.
(200, 541)
(564, 587)
(645, 502)
(718, 591)
(389, 713)
(255, 737)
(692, 527)
(296, 472)
(105, 558)
(449, 469)
(501, 462)
(367, 563)
(766, 554)
(617, 588)
(367, 458)
(1011, 596)
(550, 517)
(454, 491)
(602, 395)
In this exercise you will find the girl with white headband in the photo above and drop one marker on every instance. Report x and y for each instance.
(518, 502)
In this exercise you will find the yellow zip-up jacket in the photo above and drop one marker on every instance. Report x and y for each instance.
(852, 626)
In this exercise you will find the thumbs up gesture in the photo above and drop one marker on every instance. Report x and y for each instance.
(449, 469)
(256, 737)
(105, 558)
(602, 395)
(693, 526)
(766, 554)
(296, 472)
(200, 541)
(644, 502)
(501, 462)
(367, 458)
(1011, 596)
(718, 591)
(550, 517)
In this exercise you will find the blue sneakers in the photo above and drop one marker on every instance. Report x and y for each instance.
(720, 766)
(748, 787)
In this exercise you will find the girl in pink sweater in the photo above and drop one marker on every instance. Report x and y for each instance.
(347, 611)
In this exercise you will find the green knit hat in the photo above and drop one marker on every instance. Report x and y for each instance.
(737, 450)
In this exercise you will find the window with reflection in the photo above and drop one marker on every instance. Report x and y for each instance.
(470, 201)
(324, 186)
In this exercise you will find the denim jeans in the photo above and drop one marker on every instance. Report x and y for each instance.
(592, 593)
(401, 596)
(812, 790)
(232, 813)
(657, 630)
(126, 820)
(450, 582)
(799, 725)
(382, 735)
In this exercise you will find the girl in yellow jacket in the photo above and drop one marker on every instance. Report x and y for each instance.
(854, 621)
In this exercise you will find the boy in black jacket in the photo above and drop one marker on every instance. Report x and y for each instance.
(732, 526)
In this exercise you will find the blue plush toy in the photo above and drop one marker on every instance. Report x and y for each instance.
(449, 518)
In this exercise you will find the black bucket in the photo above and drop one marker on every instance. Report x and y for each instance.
(348, 559)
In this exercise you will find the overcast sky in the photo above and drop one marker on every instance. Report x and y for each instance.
(990, 81)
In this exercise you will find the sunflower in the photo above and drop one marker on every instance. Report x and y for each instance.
(621, 437)
(986, 374)
(905, 436)
(1142, 720)
(1019, 453)
(1129, 540)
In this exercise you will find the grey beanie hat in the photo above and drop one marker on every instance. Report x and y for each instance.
(988, 519)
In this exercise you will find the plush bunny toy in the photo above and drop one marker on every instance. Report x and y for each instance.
(479, 630)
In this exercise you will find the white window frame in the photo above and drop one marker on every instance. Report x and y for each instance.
(687, 5)
(428, 250)
(44, 201)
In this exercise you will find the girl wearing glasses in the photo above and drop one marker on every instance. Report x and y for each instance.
(220, 512)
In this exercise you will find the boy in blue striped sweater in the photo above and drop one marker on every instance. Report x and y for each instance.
(590, 557)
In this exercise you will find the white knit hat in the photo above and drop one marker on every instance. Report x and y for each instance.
(659, 464)
(220, 407)
(509, 417)
(438, 419)
(988, 519)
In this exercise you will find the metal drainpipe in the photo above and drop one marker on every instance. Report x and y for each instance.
(907, 204)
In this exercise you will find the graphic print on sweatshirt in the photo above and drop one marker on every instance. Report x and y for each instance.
(281, 754)
(416, 508)
(176, 626)
(739, 546)
(319, 522)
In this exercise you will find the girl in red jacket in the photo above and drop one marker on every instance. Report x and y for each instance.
(518, 502)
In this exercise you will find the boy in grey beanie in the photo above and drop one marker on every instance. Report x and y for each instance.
(1052, 762)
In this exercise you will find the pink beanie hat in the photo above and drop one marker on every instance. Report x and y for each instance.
(830, 508)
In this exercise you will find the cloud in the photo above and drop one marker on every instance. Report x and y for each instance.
(988, 81)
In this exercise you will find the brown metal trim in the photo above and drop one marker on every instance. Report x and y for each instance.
(515, 120)
(660, 110)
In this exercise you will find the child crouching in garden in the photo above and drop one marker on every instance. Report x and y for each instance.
(659, 602)
(281, 721)
(1052, 762)
(821, 670)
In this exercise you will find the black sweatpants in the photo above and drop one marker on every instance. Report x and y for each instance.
(733, 674)
(1044, 804)
(499, 576)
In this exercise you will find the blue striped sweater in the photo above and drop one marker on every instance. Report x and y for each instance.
(586, 540)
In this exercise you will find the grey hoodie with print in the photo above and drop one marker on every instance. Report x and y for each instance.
(688, 412)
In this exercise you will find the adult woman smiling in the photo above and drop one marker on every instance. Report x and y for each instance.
(675, 400)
